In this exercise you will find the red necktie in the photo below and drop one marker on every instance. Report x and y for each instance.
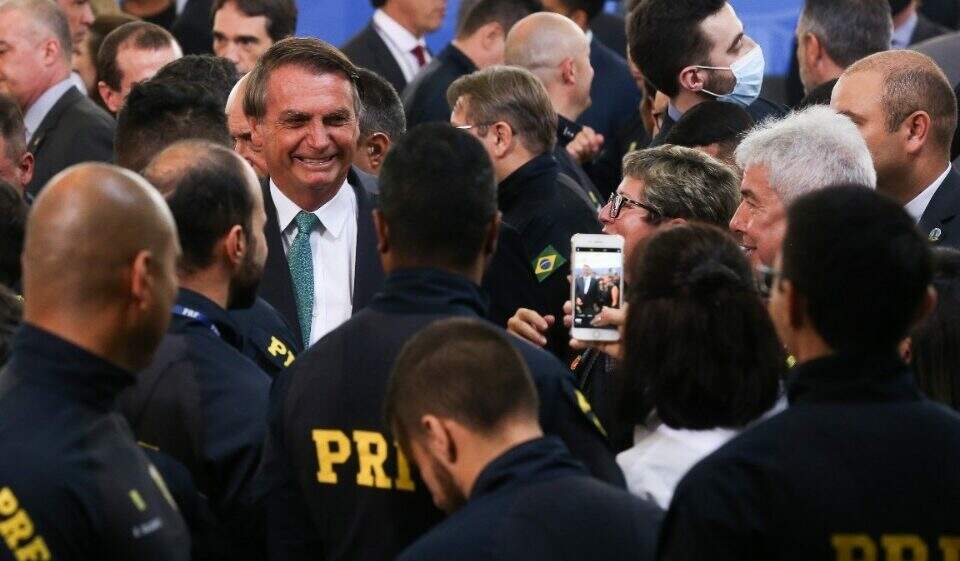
(421, 55)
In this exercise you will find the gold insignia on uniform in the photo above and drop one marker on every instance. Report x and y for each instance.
(547, 262)
(588, 411)
(162, 485)
(137, 500)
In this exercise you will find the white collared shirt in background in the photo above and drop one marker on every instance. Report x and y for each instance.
(901, 37)
(400, 42)
(333, 246)
(38, 111)
(919, 204)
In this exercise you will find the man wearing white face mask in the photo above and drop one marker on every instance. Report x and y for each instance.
(694, 51)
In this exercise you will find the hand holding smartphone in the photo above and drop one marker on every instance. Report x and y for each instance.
(597, 268)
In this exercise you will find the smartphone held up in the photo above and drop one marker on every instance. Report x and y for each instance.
(597, 268)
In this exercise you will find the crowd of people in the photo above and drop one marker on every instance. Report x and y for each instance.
(266, 298)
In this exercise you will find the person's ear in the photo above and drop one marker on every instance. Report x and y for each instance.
(52, 52)
(693, 78)
(502, 138)
(812, 50)
(256, 134)
(676, 222)
(383, 232)
(235, 246)
(110, 98)
(491, 34)
(141, 281)
(25, 167)
(377, 146)
(568, 71)
(916, 130)
(438, 440)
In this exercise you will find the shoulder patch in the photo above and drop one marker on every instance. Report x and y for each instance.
(547, 262)
(274, 354)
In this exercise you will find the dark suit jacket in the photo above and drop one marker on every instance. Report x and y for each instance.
(74, 131)
(277, 286)
(589, 297)
(941, 213)
(819, 95)
(614, 92)
(425, 98)
(760, 110)
(611, 30)
(927, 29)
(368, 50)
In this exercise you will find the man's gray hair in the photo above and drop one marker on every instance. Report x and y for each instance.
(47, 14)
(848, 29)
(808, 150)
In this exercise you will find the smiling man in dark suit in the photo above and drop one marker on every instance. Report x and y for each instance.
(63, 126)
(303, 105)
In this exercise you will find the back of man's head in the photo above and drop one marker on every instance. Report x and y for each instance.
(158, 113)
(808, 150)
(712, 123)
(13, 132)
(13, 220)
(382, 109)
(913, 82)
(208, 190)
(665, 36)
(541, 41)
(281, 15)
(460, 369)
(857, 261)
(217, 74)
(139, 35)
(429, 223)
(848, 29)
(478, 13)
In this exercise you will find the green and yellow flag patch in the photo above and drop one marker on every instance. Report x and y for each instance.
(547, 262)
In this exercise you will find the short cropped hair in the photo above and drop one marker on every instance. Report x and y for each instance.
(13, 223)
(141, 35)
(429, 220)
(462, 369)
(912, 82)
(12, 128)
(664, 37)
(207, 198)
(808, 150)
(281, 14)
(49, 15)
(217, 74)
(711, 122)
(848, 29)
(934, 354)
(685, 183)
(701, 348)
(504, 12)
(382, 108)
(159, 113)
(308, 53)
(513, 95)
(859, 263)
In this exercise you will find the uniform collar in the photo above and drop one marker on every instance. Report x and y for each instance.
(534, 461)
(525, 178)
(42, 358)
(221, 318)
(849, 377)
(430, 291)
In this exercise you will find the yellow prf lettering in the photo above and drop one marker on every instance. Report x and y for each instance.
(403, 482)
(846, 545)
(895, 545)
(8, 502)
(950, 546)
(277, 348)
(16, 529)
(36, 550)
(333, 447)
(371, 455)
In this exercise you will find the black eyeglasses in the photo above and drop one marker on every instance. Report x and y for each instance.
(617, 200)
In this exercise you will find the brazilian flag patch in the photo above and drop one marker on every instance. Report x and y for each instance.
(547, 262)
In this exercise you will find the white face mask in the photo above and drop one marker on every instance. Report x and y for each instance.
(748, 71)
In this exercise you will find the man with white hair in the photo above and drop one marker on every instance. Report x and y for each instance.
(240, 131)
(63, 126)
(782, 160)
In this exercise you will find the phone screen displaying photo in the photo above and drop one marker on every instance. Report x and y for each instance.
(597, 283)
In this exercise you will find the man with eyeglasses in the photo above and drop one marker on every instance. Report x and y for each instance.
(508, 110)
(662, 187)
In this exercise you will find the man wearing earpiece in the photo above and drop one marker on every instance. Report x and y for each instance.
(694, 51)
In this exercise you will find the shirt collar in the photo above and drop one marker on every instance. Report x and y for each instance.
(852, 377)
(674, 113)
(919, 204)
(333, 215)
(405, 40)
(537, 460)
(221, 319)
(38, 111)
(902, 35)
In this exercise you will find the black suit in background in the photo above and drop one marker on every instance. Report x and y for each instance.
(425, 97)
(819, 95)
(611, 30)
(194, 28)
(75, 130)
(939, 221)
(944, 12)
(368, 50)
(588, 294)
(614, 92)
(760, 110)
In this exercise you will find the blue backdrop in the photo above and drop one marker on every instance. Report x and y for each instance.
(770, 22)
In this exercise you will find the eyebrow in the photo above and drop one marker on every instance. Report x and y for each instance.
(736, 40)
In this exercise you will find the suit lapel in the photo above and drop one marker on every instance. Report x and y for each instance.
(387, 63)
(368, 272)
(52, 117)
(937, 219)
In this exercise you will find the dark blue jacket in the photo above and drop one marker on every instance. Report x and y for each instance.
(614, 92)
(536, 503)
(267, 338)
(860, 459)
(425, 97)
(74, 484)
(339, 488)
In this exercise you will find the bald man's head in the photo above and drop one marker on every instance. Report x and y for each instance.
(240, 131)
(100, 259)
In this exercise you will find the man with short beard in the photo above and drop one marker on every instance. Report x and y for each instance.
(201, 401)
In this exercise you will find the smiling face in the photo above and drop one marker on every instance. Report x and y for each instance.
(760, 222)
(632, 222)
(309, 133)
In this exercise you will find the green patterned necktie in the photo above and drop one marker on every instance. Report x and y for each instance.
(300, 260)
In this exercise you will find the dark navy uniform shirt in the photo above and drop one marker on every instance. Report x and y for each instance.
(74, 485)
(339, 486)
(547, 214)
(859, 466)
(267, 339)
(535, 503)
(205, 404)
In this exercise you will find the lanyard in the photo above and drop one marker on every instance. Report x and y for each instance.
(190, 313)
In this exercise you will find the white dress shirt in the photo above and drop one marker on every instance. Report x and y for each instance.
(333, 245)
(400, 42)
(919, 204)
(659, 459)
(38, 111)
